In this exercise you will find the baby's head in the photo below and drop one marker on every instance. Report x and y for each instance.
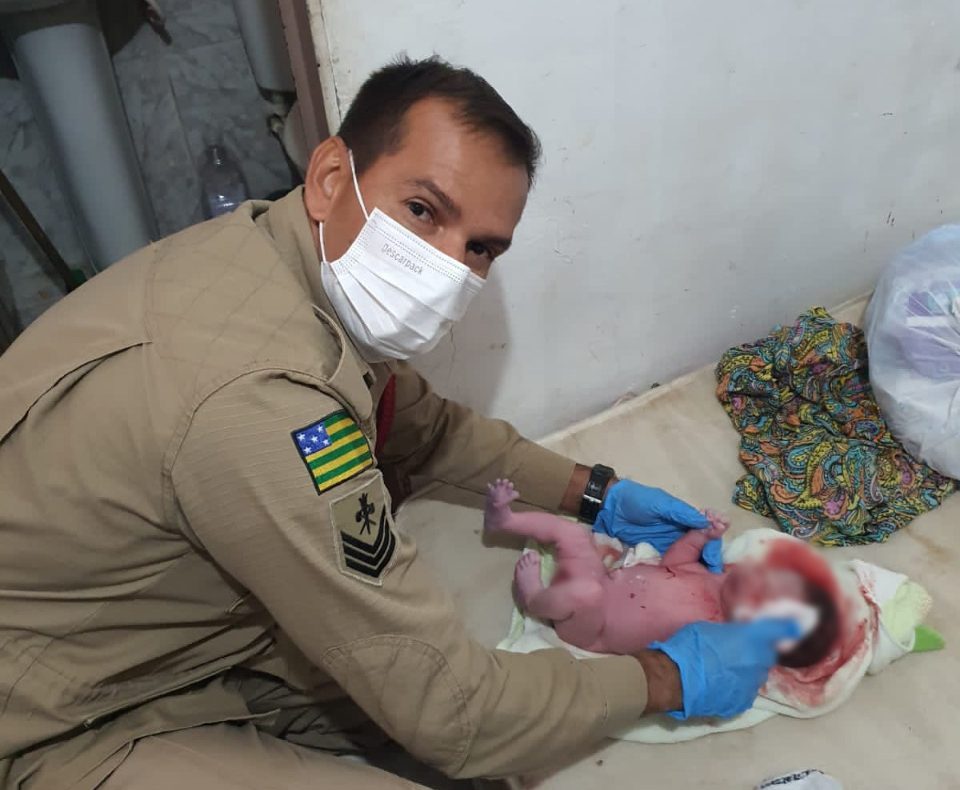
(749, 586)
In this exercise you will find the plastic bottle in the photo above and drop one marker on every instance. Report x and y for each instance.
(222, 185)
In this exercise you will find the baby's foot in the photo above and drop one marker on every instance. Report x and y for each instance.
(719, 524)
(499, 496)
(526, 578)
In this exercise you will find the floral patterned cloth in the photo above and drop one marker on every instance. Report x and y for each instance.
(820, 458)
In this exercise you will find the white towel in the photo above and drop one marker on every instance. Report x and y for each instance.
(879, 612)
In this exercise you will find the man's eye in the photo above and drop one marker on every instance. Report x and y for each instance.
(476, 248)
(418, 209)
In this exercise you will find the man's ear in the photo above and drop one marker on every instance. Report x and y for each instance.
(328, 170)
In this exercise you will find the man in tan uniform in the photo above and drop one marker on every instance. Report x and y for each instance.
(200, 453)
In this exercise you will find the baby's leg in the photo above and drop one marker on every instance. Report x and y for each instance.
(689, 546)
(574, 600)
(571, 541)
(575, 605)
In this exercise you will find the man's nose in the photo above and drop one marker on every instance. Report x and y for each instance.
(453, 244)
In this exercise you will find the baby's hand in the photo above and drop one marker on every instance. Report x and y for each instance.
(719, 524)
(501, 493)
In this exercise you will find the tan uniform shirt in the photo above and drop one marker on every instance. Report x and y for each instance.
(189, 466)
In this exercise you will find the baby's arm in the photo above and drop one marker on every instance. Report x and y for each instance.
(572, 541)
(689, 546)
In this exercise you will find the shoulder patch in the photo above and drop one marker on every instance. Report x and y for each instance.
(363, 531)
(334, 449)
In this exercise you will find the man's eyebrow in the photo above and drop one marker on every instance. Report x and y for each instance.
(442, 197)
(500, 243)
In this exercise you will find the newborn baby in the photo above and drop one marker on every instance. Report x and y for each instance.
(623, 610)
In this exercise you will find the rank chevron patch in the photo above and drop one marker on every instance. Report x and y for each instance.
(363, 531)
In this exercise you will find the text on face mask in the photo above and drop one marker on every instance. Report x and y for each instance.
(392, 252)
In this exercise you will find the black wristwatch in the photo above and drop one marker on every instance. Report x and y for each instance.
(592, 499)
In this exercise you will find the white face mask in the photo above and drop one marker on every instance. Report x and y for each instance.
(395, 294)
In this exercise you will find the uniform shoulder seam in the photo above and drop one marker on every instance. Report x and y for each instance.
(174, 445)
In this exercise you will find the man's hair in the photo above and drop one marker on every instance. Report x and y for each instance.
(374, 124)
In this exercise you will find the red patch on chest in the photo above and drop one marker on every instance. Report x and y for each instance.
(386, 409)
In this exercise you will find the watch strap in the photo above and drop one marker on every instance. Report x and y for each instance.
(592, 500)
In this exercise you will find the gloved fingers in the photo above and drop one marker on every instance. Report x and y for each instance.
(678, 512)
(615, 525)
(658, 531)
(660, 536)
(712, 556)
(635, 502)
(604, 523)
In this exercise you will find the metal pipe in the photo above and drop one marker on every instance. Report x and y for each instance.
(62, 60)
(262, 34)
(306, 73)
(12, 198)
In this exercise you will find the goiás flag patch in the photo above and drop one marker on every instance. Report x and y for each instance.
(334, 449)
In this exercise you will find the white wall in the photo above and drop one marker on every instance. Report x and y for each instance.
(710, 168)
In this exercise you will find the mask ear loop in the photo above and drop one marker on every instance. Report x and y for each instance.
(363, 208)
(356, 186)
(323, 252)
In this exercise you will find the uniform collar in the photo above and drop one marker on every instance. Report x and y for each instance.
(287, 222)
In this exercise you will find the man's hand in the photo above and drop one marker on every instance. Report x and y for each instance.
(722, 666)
(635, 513)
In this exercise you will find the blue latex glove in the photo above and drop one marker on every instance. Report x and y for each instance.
(635, 513)
(723, 665)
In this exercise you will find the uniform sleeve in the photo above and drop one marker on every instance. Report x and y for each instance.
(329, 564)
(438, 439)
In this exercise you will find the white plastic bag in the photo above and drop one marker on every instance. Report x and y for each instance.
(913, 340)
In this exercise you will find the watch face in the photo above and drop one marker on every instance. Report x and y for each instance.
(599, 476)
